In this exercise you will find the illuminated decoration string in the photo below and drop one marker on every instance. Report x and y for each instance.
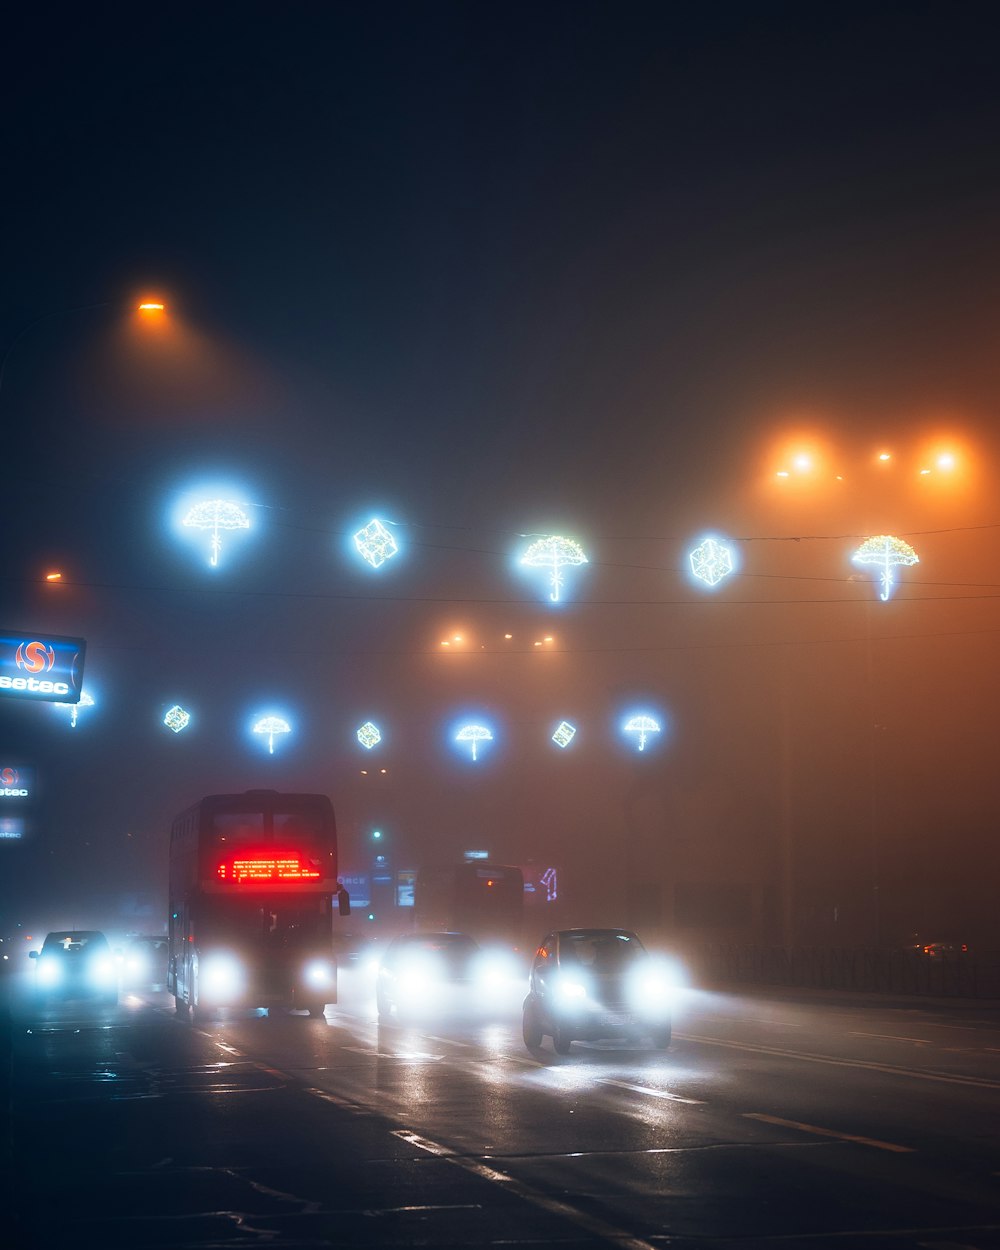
(564, 734)
(550, 880)
(177, 719)
(887, 553)
(375, 543)
(215, 515)
(556, 553)
(85, 701)
(369, 735)
(271, 725)
(711, 561)
(642, 725)
(474, 734)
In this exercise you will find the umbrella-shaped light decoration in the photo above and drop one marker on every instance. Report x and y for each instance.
(216, 515)
(555, 553)
(85, 701)
(886, 552)
(642, 725)
(271, 725)
(474, 734)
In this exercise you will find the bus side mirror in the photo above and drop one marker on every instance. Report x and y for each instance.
(32, 954)
(343, 902)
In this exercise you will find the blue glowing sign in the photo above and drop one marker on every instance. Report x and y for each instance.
(554, 553)
(369, 735)
(268, 726)
(176, 718)
(564, 734)
(41, 667)
(640, 727)
(474, 734)
(375, 543)
(712, 561)
(85, 700)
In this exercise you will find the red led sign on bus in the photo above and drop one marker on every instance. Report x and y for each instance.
(267, 866)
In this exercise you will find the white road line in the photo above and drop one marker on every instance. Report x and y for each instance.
(590, 1223)
(917, 1074)
(891, 1037)
(828, 1132)
(653, 1093)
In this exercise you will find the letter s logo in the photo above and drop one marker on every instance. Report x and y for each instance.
(8, 776)
(34, 657)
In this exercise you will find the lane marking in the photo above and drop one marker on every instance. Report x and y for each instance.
(828, 1132)
(976, 1082)
(590, 1223)
(653, 1093)
(891, 1037)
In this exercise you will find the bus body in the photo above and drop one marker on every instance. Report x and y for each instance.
(482, 899)
(253, 878)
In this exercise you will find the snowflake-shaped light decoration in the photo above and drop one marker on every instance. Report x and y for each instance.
(215, 515)
(643, 726)
(555, 553)
(711, 561)
(177, 719)
(886, 553)
(86, 700)
(564, 734)
(271, 725)
(369, 735)
(375, 543)
(474, 734)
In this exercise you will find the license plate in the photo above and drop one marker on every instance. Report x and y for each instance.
(616, 1019)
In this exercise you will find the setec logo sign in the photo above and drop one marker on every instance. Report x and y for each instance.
(41, 667)
(15, 783)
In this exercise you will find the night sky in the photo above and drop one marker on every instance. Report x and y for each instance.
(497, 271)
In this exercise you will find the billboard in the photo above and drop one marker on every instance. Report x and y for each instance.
(41, 667)
(16, 783)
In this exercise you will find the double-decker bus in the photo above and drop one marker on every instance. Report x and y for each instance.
(253, 879)
(482, 899)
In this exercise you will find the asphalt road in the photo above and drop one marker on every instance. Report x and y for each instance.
(770, 1122)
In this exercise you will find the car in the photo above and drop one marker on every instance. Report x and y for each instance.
(144, 963)
(439, 973)
(75, 963)
(593, 985)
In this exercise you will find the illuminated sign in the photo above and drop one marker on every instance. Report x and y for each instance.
(369, 735)
(554, 553)
(375, 543)
(711, 562)
(176, 718)
(286, 866)
(406, 884)
(886, 552)
(564, 734)
(11, 828)
(15, 783)
(216, 515)
(41, 667)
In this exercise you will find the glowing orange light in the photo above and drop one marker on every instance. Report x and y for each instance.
(803, 463)
(53, 577)
(508, 635)
(946, 461)
(152, 306)
(884, 455)
(267, 868)
(782, 473)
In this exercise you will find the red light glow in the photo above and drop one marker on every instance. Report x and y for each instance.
(265, 867)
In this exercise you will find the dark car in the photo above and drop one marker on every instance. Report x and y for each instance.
(76, 963)
(594, 984)
(144, 963)
(432, 974)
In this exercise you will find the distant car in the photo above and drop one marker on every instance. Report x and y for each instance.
(595, 984)
(144, 963)
(440, 974)
(75, 963)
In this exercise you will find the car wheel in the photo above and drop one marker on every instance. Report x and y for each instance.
(316, 1010)
(181, 1008)
(531, 1028)
(661, 1037)
(561, 1041)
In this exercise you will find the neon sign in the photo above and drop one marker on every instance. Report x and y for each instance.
(177, 719)
(264, 867)
(555, 553)
(474, 734)
(369, 735)
(886, 553)
(375, 543)
(711, 562)
(40, 667)
(564, 734)
(215, 515)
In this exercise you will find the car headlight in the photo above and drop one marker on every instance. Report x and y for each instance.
(220, 977)
(49, 972)
(569, 990)
(495, 970)
(102, 972)
(654, 988)
(318, 974)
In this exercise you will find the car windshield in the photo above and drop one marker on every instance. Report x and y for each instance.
(600, 950)
(74, 943)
